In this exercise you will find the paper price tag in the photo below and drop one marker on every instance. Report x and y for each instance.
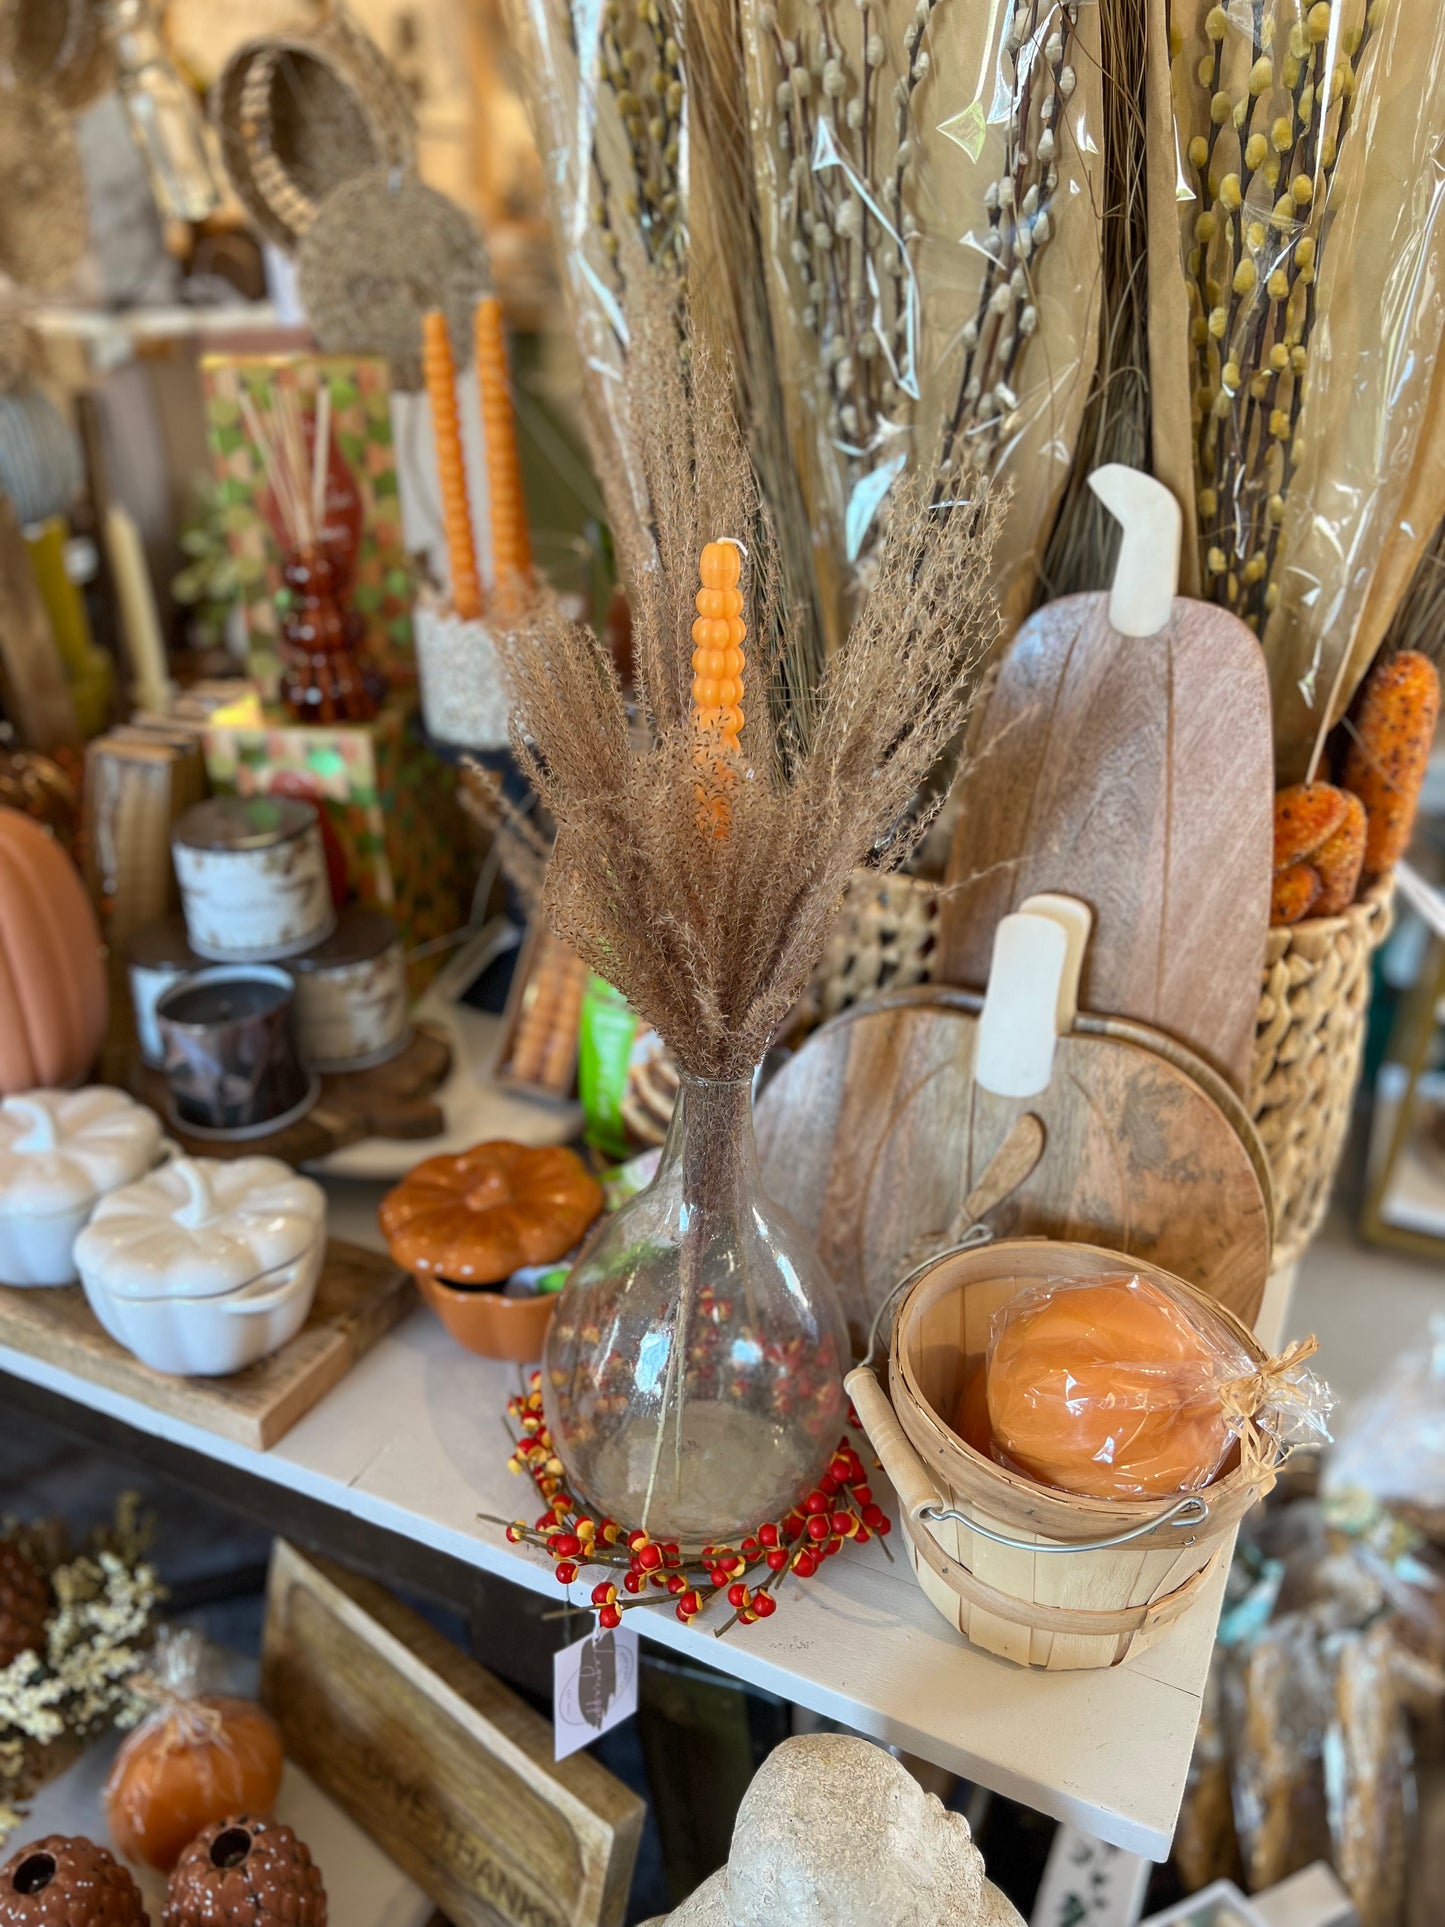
(594, 1687)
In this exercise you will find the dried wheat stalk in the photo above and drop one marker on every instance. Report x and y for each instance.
(711, 938)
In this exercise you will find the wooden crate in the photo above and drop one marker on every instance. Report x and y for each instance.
(437, 1761)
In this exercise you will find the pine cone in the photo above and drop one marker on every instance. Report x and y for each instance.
(24, 1603)
(57, 1882)
(245, 1873)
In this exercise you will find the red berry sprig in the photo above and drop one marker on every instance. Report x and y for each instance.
(840, 1508)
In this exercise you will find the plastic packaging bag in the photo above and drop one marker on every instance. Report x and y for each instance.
(197, 1758)
(1119, 1388)
(1392, 1445)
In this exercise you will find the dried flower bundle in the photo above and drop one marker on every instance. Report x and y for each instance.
(640, 113)
(1269, 111)
(712, 936)
(1313, 258)
(914, 171)
(105, 1600)
(1115, 427)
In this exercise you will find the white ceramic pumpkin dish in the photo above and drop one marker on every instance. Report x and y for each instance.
(206, 1265)
(61, 1152)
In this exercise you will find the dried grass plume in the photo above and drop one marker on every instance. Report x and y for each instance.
(711, 938)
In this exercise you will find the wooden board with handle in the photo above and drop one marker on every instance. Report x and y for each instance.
(449, 1772)
(1135, 772)
(360, 1297)
(874, 1133)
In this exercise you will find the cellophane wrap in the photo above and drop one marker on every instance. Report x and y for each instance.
(1312, 247)
(890, 216)
(928, 180)
(1121, 1387)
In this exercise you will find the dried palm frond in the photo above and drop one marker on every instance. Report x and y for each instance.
(1115, 428)
(710, 936)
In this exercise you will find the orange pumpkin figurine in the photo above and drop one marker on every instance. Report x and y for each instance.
(53, 1003)
(477, 1218)
(197, 1758)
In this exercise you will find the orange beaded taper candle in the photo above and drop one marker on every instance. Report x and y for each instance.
(511, 545)
(441, 388)
(717, 676)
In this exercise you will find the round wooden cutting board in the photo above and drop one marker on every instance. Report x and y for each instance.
(875, 1132)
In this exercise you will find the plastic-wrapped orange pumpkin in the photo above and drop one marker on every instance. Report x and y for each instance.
(198, 1757)
(477, 1218)
(53, 1004)
(1105, 1387)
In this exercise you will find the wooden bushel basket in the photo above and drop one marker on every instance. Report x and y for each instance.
(1038, 1576)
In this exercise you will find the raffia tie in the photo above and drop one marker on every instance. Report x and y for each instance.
(186, 1719)
(1242, 1400)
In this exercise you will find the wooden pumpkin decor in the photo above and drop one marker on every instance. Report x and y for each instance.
(53, 1002)
(475, 1219)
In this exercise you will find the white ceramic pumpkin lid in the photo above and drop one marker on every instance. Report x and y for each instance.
(61, 1149)
(200, 1227)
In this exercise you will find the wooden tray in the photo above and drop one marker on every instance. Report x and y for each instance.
(872, 1135)
(360, 1297)
(396, 1100)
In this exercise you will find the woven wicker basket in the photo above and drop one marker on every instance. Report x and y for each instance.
(1308, 1038)
(299, 113)
(883, 939)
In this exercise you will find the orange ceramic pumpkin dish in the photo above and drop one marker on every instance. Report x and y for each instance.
(194, 1762)
(477, 1218)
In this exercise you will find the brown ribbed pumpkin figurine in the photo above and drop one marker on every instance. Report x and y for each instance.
(60, 1882)
(24, 1603)
(246, 1872)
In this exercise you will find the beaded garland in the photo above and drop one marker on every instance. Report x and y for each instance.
(839, 1508)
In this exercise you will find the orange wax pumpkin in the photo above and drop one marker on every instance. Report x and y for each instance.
(475, 1219)
(190, 1765)
(53, 1008)
(1106, 1388)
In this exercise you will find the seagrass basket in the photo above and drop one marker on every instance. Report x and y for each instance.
(298, 113)
(1309, 1036)
(1039, 1576)
(882, 939)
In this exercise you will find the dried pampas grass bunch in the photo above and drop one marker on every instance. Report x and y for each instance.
(704, 889)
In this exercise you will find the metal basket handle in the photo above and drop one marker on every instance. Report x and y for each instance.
(1191, 1510)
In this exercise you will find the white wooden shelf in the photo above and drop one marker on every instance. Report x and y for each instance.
(412, 1441)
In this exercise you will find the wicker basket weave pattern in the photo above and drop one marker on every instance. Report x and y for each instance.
(1308, 1040)
(883, 939)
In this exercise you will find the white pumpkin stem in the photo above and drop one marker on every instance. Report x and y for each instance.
(200, 1205)
(42, 1134)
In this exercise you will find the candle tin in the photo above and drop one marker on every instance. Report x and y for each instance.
(157, 957)
(252, 871)
(351, 995)
(231, 1061)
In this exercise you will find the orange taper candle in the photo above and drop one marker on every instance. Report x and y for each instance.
(441, 388)
(717, 680)
(511, 544)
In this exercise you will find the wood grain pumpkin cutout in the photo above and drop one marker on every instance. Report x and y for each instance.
(53, 1002)
(1134, 772)
(874, 1133)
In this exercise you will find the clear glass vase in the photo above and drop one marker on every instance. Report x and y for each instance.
(693, 1377)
